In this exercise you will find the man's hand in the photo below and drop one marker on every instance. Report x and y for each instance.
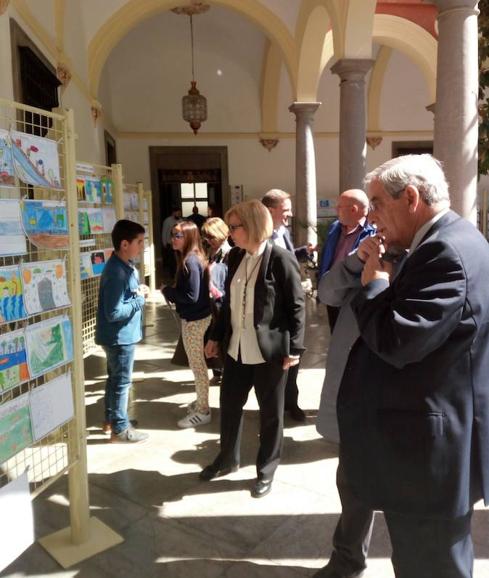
(211, 349)
(311, 248)
(369, 246)
(289, 362)
(375, 268)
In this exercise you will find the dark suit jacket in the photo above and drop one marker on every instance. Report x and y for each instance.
(300, 253)
(413, 405)
(279, 312)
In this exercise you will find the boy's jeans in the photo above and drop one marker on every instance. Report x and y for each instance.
(120, 361)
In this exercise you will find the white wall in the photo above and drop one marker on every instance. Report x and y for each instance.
(150, 70)
(6, 84)
(405, 96)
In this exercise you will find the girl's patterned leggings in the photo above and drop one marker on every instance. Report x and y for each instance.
(193, 342)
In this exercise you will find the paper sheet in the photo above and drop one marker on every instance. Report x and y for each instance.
(51, 405)
(16, 507)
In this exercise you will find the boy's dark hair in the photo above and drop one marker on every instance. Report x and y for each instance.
(125, 230)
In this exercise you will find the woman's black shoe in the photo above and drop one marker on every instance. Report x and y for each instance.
(213, 471)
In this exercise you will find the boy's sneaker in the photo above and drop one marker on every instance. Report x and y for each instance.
(195, 419)
(107, 426)
(129, 435)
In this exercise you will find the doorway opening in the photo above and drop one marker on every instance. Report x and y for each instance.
(184, 178)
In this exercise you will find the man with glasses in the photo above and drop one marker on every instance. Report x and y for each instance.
(413, 404)
(344, 236)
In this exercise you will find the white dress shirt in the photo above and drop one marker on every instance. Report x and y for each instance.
(278, 237)
(424, 229)
(244, 340)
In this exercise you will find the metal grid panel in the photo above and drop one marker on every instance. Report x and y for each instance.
(49, 458)
(89, 243)
(149, 252)
(133, 211)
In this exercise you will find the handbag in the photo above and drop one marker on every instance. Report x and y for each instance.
(180, 355)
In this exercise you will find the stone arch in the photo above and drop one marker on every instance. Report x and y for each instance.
(315, 42)
(375, 87)
(270, 84)
(136, 11)
(411, 39)
(359, 22)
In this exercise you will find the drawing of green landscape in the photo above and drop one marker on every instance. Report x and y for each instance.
(48, 345)
(15, 428)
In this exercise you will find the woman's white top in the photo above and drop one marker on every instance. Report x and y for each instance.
(242, 300)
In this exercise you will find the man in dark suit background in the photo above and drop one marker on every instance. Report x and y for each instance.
(280, 206)
(413, 405)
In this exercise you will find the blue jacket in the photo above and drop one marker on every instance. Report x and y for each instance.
(119, 314)
(191, 291)
(329, 248)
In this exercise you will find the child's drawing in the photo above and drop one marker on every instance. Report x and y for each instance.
(11, 295)
(7, 173)
(13, 360)
(45, 286)
(36, 160)
(12, 237)
(49, 344)
(45, 223)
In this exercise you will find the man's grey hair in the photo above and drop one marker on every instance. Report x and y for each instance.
(274, 197)
(422, 171)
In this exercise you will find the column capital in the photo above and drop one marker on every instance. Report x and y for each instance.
(456, 5)
(352, 68)
(302, 108)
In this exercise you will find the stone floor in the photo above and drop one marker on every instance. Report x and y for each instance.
(173, 525)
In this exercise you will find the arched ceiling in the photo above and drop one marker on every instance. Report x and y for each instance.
(136, 46)
(145, 93)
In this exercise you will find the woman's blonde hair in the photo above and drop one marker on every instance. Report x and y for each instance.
(215, 228)
(255, 218)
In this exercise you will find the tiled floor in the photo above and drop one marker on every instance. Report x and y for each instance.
(176, 526)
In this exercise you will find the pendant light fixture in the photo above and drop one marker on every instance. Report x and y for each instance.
(194, 104)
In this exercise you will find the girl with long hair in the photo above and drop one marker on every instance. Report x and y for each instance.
(190, 293)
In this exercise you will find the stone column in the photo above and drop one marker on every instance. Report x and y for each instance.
(305, 220)
(353, 121)
(456, 117)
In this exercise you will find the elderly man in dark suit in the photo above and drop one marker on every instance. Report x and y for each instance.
(413, 405)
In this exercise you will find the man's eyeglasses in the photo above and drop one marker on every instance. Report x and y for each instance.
(177, 235)
(374, 204)
(233, 228)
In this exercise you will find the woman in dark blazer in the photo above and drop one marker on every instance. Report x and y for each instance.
(260, 330)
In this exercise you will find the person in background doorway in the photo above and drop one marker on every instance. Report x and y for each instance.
(344, 236)
(190, 293)
(169, 261)
(119, 326)
(196, 217)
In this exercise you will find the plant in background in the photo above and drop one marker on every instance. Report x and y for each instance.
(484, 87)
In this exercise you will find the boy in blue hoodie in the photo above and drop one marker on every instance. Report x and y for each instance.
(119, 326)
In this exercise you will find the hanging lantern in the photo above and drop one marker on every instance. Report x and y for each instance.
(194, 104)
(194, 107)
